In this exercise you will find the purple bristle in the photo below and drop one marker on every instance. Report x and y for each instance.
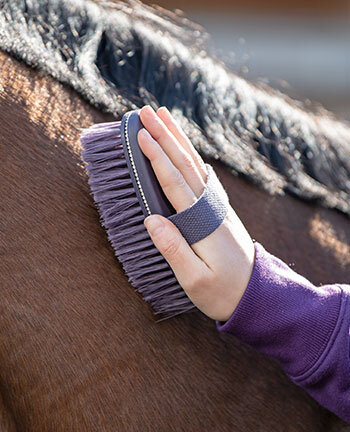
(122, 217)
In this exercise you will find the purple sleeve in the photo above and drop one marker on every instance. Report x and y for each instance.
(305, 327)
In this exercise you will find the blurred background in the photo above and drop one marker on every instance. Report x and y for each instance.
(301, 47)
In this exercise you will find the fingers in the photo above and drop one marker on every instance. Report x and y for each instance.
(170, 178)
(186, 265)
(182, 138)
(182, 160)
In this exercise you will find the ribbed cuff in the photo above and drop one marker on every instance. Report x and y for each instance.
(283, 315)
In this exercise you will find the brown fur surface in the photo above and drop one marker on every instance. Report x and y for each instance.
(79, 349)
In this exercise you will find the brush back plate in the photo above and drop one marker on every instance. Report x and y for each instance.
(148, 190)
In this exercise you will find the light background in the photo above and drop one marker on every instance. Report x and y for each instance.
(301, 47)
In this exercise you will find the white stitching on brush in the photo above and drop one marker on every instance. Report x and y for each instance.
(133, 163)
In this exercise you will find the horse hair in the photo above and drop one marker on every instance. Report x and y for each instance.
(124, 55)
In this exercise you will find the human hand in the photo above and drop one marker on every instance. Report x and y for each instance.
(215, 271)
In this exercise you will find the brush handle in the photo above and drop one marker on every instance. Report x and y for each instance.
(148, 190)
(197, 221)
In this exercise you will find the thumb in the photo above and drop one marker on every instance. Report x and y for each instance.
(174, 248)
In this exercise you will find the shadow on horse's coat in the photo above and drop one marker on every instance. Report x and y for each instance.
(79, 349)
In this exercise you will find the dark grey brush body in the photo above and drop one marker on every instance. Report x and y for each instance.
(122, 56)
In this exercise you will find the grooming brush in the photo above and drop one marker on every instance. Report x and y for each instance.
(126, 191)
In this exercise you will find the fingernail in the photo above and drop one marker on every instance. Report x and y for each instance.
(168, 114)
(149, 109)
(154, 224)
(164, 108)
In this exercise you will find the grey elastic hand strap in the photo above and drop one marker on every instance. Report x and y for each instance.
(197, 221)
(206, 214)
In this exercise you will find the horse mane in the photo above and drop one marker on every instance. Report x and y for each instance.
(124, 55)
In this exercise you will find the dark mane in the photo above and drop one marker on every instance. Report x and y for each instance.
(121, 56)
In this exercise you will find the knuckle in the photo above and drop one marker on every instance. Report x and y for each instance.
(188, 162)
(197, 282)
(178, 179)
(175, 180)
(199, 160)
(172, 248)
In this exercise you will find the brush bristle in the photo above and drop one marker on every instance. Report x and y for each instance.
(122, 217)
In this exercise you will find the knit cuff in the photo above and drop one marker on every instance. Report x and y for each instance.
(283, 315)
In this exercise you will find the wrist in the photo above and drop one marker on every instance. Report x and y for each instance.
(245, 258)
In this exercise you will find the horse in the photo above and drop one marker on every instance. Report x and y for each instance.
(79, 349)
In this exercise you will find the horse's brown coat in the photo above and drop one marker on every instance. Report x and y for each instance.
(79, 349)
